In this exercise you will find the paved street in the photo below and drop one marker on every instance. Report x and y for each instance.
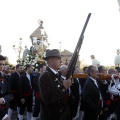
(14, 117)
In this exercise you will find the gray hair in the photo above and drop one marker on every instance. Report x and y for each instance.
(111, 71)
(101, 68)
(91, 69)
(63, 67)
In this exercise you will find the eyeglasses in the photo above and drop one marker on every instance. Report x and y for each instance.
(2, 64)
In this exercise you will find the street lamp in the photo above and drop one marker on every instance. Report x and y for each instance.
(18, 48)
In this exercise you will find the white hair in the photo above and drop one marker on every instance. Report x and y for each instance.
(63, 67)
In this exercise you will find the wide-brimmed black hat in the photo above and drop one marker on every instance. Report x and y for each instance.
(52, 53)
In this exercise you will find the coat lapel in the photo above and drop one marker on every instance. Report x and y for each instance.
(49, 70)
(93, 84)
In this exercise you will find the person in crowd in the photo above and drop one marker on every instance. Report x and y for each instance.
(92, 97)
(85, 69)
(114, 105)
(118, 69)
(13, 68)
(7, 72)
(13, 83)
(76, 92)
(25, 87)
(53, 91)
(36, 111)
(106, 95)
(82, 81)
(63, 71)
(7, 68)
(5, 94)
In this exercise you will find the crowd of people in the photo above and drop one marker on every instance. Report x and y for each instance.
(58, 97)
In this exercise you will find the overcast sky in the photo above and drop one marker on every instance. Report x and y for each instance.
(63, 22)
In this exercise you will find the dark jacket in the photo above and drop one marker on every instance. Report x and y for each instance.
(82, 81)
(13, 82)
(91, 97)
(4, 89)
(75, 93)
(52, 94)
(25, 89)
(35, 86)
(106, 95)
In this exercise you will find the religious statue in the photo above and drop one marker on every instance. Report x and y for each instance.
(35, 54)
(25, 53)
(117, 58)
(94, 61)
(118, 51)
(32, 50)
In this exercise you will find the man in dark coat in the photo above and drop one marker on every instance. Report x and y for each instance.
(114, 106)
(92, 97)
(26, 92)
(76, 92)
(13, 83)
(5, 95)
(82, 81)
(73, 92)
(36, 110)
(106, 95)
(53, 94)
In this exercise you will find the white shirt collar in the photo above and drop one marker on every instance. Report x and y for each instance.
(18, 73)
(94, 81)
(55, 72)
(63, 77)
(27, 73)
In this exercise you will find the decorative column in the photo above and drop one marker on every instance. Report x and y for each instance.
(18, 48)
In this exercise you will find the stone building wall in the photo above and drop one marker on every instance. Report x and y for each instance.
(67, 55)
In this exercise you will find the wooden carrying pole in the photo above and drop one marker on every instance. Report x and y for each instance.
(100, 76)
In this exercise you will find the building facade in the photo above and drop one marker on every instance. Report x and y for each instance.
(67, 55)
